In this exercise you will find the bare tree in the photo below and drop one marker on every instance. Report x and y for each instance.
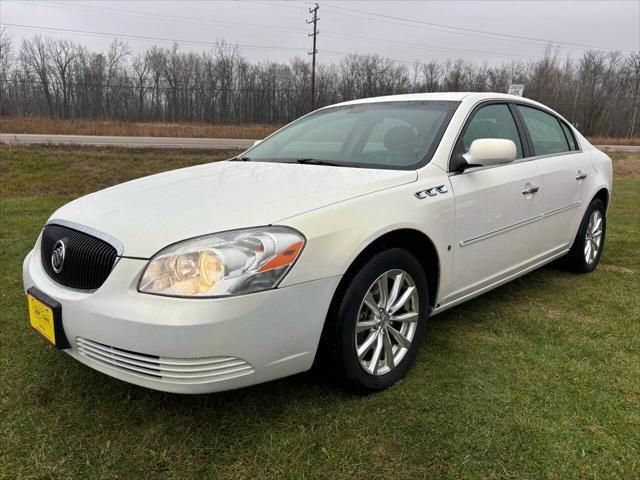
(118, 50)
(34, 55)
(6, 64)
(141, 66)
(598, 92)
(62, 53)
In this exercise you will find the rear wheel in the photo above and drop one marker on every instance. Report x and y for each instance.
(585, 253)
(374, 334)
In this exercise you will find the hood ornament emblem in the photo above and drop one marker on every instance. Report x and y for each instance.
(57, 256)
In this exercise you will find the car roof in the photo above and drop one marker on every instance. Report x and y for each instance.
(439, 96)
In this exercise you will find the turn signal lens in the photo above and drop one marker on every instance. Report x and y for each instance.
(223, 264)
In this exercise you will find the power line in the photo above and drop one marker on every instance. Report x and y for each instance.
(173, 40)
(335, 35)
(142, 37)
(471, 31)
(177, 41)
(418, 46)
(180, 19)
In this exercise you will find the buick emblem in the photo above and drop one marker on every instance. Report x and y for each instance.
(57, 256)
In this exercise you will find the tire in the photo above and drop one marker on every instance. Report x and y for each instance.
(340, 340)
(580, 258)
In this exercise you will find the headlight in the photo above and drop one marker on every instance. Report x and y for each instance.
(223, 264)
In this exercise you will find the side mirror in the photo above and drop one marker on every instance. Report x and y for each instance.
(256, 143)
(490, 151)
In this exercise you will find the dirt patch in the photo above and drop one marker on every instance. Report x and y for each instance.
(608, 267)
(626, 166)
(614, 141)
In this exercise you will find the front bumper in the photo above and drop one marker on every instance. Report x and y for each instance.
(188, 345)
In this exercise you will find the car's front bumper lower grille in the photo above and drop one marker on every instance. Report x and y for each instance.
(174, 370)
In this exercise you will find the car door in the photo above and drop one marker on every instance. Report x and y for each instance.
(563, 170)
(495, 208)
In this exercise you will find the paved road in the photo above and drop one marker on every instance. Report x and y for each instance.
(170, 142)
(132, 142)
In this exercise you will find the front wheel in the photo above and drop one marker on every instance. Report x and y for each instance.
(375, 332)
(587, 246)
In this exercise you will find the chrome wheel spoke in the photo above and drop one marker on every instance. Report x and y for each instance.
(388, 350)
(375, 358)
(401, 301)
(395, 290)
(383, 288)
(370, 302)
(366, 325)
(596, 224)
(408, 317)
(364, 348)
(403, 341)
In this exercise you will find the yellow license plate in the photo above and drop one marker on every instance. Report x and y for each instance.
(41, 318)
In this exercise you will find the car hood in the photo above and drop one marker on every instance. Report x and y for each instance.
(149, 213)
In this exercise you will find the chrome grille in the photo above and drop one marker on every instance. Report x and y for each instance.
(174, 370)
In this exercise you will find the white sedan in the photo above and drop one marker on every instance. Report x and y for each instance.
(332, 241)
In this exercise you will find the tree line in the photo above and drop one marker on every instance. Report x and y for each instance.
(599, 92)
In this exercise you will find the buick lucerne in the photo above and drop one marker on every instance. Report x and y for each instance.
(330, 242)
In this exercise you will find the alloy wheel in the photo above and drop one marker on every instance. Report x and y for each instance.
(386, 322)
(593, 237)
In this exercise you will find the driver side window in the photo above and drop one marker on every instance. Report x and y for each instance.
(492, 121)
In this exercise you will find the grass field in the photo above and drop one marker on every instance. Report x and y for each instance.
(53, 126)
(537, 379)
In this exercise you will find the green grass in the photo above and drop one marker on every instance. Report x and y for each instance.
(537, 379)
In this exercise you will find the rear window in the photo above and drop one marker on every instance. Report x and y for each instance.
(545, 131)
(573, 145)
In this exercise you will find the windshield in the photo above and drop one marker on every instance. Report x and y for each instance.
(400, 135)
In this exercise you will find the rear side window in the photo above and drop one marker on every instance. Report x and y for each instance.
(545, 131)
(569, 134)
(492, 121)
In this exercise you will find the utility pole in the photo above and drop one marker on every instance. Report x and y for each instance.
(315, 33)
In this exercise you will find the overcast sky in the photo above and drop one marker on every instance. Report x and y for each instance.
(401, 30)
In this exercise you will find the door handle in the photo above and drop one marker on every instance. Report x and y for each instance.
(530, 190)
(581, 175)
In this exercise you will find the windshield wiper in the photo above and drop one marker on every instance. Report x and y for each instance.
(315, 161)
(241, 159)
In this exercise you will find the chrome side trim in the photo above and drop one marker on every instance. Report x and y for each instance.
(113, 241)
(515, 162)
(550, 213)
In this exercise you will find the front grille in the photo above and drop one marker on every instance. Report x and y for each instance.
(174, 370)
(88, 260)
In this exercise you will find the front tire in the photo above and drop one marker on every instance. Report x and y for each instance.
(586, 250)
(375, 328)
